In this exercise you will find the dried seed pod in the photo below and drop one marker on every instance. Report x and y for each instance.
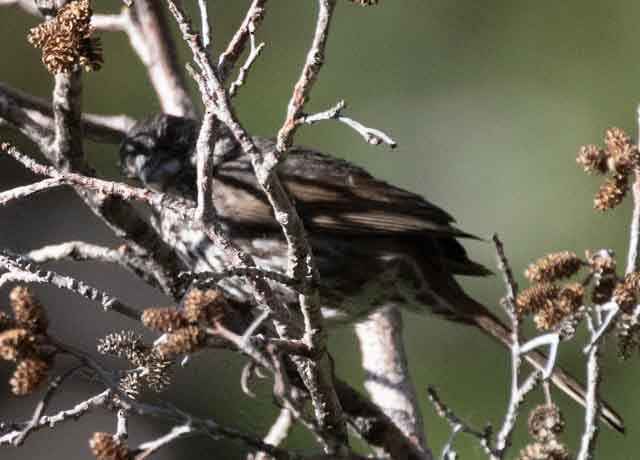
(166, 319)
(628, 334)
(611, 192)
(553, 267)
(28, 312)
(601, 262)
(625, 296)
(205, 305)
(66, 40)
(592, 159)
(29, 374)
(16, 344)
(570, 298)
(124, 344)
(105, 446)
(545, 422)
(616, 140)
(183, 341)
(544, 451)
(536, 298)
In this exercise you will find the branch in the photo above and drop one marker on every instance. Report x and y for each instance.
(24, 191)
(244, 70)
(592, 401)
(51, 421)
(387, 377)
(81, 251)
(278, 432)
(20, 270)
(317, 374)
(34, 423)
(310, 71)
(518, 393)
(15, 106)
(458, 426)
(150, 447)
(236, 46)
(371, 135)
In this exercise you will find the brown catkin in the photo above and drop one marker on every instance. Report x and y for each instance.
(553, 267)
(616, 140)
(611, 192)
(205, 305)
(183, 341)
(601, 262)
(536, 298)
(16, 344)
(628, 335)
(625, 296)
(544, 451)
(28, 312)
(105, 447)
(29, 374)
(166, 319)
(592, 159)
(570, 298)
(625, 292)
(545, 422)
(66, 40)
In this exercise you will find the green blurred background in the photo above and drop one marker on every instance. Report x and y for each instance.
(489, 102)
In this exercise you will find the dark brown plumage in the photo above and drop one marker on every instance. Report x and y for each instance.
(373, 243)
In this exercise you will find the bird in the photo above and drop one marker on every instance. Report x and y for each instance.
(372, 242)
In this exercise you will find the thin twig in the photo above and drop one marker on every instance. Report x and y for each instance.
(458, 425)
(371, 135)
(150, 447)
(300, 261)
(34, 423)
(244, 70)
(206, 25)
(20, 270)
(251, 22)
(51, 421)
(592, 401)
(278, 432)
(310, 71)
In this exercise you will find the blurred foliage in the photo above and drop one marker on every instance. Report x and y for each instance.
(489, 102)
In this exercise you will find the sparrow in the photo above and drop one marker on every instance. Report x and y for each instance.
(373, 243)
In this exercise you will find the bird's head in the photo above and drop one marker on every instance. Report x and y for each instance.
(158, 151)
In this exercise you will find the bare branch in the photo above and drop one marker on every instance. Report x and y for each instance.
(310, 71)
(387, 377)
(236, 46)
(592, 400)
(244, 70)
(150, 32)
(371, 135)
(278, 432)
(51, 421)
(26, 190)
(34, 423)
(315, 373)
(81, 251)
(20, 270)
(150, 447)
(458, 425)
(15, 106)
(206, 25)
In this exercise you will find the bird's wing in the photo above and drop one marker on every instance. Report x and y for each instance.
(334, 196)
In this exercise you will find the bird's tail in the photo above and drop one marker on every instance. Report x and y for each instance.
(487, 322)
